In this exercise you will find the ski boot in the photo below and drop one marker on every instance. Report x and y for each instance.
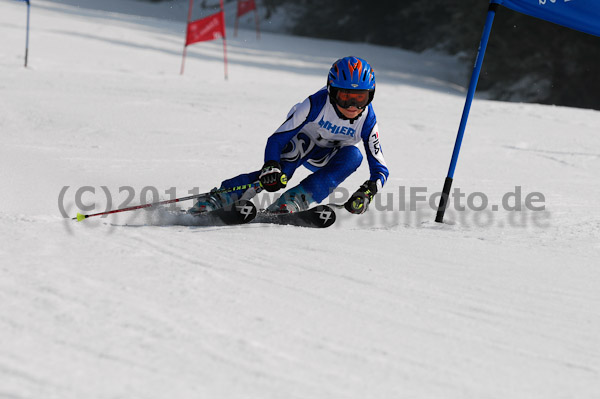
(210, 202)
(294, 200)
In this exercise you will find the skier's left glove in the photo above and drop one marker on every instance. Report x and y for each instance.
(360, 200)
(271, 177)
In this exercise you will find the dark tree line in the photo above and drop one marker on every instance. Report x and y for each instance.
(527, 59)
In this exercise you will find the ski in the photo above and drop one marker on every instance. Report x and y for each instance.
(320, 216)
(240, 212)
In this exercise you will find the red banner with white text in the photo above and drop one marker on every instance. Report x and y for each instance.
(205, 29)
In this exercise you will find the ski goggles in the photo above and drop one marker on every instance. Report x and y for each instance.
(352, 98)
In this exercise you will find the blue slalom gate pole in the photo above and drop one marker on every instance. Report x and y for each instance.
(27, 34)
(487, 29)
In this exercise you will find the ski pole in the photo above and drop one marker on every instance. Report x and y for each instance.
(27, 36)
(81, 217)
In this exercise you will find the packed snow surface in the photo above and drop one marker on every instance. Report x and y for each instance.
(492, 304)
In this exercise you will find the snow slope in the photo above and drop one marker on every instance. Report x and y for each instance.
(499, 304)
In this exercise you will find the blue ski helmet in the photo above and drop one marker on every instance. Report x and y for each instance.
(351, 73)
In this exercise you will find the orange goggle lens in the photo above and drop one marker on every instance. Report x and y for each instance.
(349, 98)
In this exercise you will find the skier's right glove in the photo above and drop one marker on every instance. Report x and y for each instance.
(271, 177)
(359, 201)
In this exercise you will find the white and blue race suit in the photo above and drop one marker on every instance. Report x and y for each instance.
(316, 136)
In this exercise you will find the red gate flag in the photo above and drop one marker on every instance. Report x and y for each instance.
(245, 6)
(205, 29)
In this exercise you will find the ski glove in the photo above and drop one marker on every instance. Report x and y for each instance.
(271, 177)
(359, 201)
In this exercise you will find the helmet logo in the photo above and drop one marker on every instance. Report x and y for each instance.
(354, 85)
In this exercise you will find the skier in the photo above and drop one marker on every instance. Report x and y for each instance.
(320, 133)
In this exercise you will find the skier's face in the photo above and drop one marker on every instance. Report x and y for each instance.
(350, 112)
